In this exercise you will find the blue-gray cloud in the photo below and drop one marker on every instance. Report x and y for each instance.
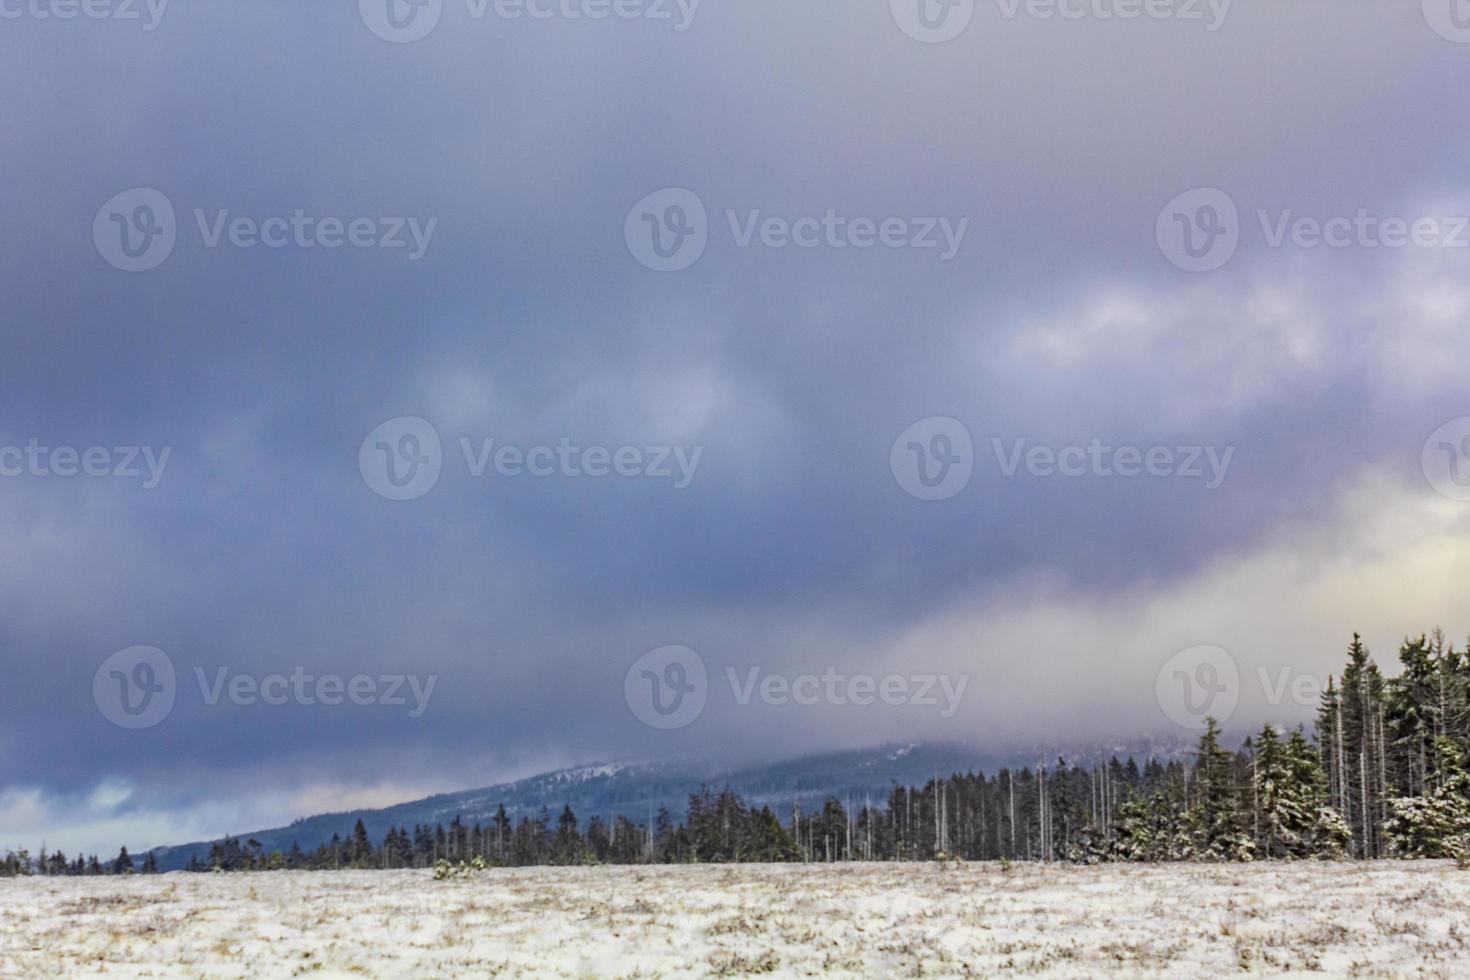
(528, 321)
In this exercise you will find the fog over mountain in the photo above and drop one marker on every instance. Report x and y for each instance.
(638, 791)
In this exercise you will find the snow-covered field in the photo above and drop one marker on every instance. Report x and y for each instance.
(1386, 919)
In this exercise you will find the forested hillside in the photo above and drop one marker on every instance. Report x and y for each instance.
(1385, 775)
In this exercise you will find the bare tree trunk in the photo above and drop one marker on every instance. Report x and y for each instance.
(1012, 775)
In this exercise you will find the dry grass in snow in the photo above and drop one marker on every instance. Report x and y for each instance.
(1385, 919)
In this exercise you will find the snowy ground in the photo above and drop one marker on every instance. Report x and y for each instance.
(1386, 919)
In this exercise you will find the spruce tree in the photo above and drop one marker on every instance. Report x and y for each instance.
(1363, 740)
(1215, 817)
(1436, 825)
(567, 848)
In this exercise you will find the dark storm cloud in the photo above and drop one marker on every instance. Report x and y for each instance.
(527, 320)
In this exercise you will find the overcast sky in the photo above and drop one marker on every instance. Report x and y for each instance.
(775, 403)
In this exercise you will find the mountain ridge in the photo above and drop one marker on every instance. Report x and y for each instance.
(636, 790)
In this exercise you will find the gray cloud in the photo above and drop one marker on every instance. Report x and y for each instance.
(527, 320)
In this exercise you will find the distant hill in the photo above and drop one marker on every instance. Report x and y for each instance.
(637, 790)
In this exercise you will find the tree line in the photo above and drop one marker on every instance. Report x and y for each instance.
(1383, 775)
(15, 863)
